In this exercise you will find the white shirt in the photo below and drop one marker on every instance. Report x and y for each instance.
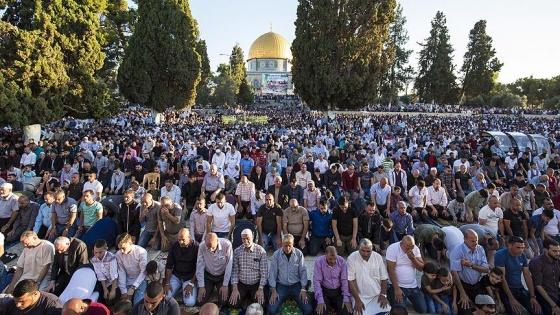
(417, 196)
(220, 221)
(174, 193)
(368, 274)
(404, 270)
(552, 227)
(131, 267)
(437, 197)
(321, 165)
(28, 159)
(453, 237)
(219, 160)
(96, 187)
(492, 217)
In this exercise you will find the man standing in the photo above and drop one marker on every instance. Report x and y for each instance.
(244, 192)
(545, 271)
(381, 195)
(170, 221)
(513, 263)
(345, 227)
(330, 282)
(213, 268)
(403, 259)
(180, 268)
(288, 277)
(250, 272)
(131, 261)
(468, 263)
(34, 263)
(367, 280)
(296, 222)
(70, 254)
(492, 217)
(220, 217)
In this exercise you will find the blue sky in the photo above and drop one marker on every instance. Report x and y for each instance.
(523, 31)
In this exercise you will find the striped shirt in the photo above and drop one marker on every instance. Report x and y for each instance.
(106, 268)
(250, 265)
(215, 263)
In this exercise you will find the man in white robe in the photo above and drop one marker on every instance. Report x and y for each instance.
(367, 280)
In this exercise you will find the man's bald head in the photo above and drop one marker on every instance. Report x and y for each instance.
(209, 309)
(74, 307)
(407, 243)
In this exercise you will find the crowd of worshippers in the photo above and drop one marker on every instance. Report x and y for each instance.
(359, 195)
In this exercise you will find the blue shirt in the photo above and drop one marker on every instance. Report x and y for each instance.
(538, 224)
(287, 272)
(514, 266)
(477, 257)
(246, 165)
(43, 218)
(402, 224)
(321, 224)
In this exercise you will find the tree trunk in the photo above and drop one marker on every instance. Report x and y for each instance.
(32, 132)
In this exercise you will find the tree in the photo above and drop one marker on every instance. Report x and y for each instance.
(245, 95)
(224, 93)
(533, 89)
(340, 51)
(203, 88)
(480, 65)
(506, 99)
(394, 80)
(51, 51)
(436, 80)
(161, 67)
(238, 72)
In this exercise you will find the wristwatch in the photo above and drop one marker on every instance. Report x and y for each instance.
(260, 287)
(384, 295)
(133, 288)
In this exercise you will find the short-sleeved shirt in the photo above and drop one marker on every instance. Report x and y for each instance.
(514, 266)
(516, 222)
(90, 212)
(344, 220)
(269, 216)
(32, 260)
(8, 206)
(404, 270)
(220, 217)
(365, 179)
(463, 179)
(294, 219)
(492, 217)
(169, 226)
(64, 209)
(536, 222)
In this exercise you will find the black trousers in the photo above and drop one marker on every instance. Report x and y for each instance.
(211, 282)
(332, 298)
(440, 215)
(472, 290)
(249, 291)
(304, 250)
(61, 283)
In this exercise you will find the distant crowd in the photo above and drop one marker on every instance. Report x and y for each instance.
(352, 188)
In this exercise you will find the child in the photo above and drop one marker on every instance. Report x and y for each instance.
(456, 208)
(27, 174)
(426, 284)
(155, 271)
(122, 307)
(492, 283)
(385, 235)
(446, 295)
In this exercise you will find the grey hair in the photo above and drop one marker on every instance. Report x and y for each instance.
(288, 237)
(366, 242)
(254, 309)
(62, 240)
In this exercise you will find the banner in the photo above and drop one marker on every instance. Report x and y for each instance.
(275, 83)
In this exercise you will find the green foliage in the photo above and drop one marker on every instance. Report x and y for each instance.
(552, 103)
(506, 99)
(394, 80)
(340, 52)
(480, 65)
(161, 67)
(203, 88)
(534, 90)
(245, 95)
(223, 92)
(50, 52)
(436, 80)
(238, 72)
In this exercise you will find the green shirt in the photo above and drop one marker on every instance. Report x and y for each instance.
(423, 233)
(90, 212)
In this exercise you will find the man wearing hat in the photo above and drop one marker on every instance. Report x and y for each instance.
(485, 305)
(219, 159)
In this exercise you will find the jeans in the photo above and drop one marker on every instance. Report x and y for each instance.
(522, 296)
(285, 292)
(434, 307)
(269, 238)
(145, 238)
(414, 295)
(177, 284)
(336, 192)
(138, 293)
(60, 228)
(431, 304)
(222, 234)
(316, 243)
(5, 277)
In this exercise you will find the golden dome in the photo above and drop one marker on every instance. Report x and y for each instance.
(270, 45)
